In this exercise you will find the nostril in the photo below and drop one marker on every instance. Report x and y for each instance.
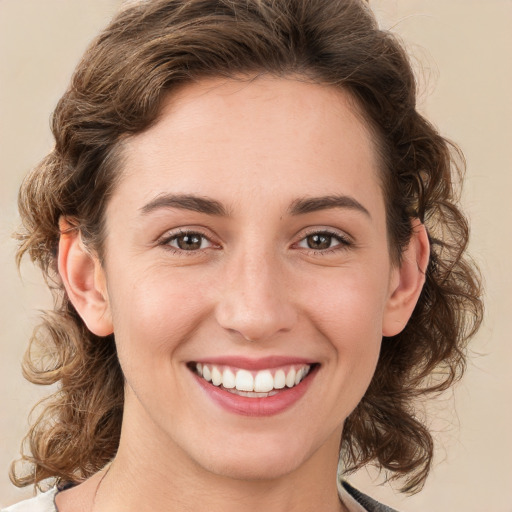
(256, 326)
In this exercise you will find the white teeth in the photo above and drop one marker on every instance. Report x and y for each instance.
(244, 381)
(216, 376)
(228, 379)
(248, 383)
(207, 375)
(290, 378)
(252, 394)
(263, 382)
(279, 379)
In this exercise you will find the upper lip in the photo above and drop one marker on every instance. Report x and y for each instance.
(262, 363)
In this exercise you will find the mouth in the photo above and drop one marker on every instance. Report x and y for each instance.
(254, 392)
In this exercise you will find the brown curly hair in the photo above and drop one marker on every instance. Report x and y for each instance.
(154, 46)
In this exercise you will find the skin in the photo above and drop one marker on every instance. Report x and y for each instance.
(254, 288)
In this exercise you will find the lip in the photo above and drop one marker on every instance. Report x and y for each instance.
(257, 407)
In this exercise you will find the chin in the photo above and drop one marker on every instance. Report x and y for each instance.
(255, 460)
(254, 470)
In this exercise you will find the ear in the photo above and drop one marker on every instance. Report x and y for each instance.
(407, 281)
(84, 280)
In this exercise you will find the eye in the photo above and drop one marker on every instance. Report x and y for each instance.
(323, 241)
(187, 241)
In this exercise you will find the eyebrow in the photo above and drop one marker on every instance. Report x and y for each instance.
(313, 204)
(213, 207)
(185, 202)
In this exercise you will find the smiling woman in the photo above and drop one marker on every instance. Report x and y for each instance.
(258, 262)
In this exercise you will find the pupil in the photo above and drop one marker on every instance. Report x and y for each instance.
(319, 241)
(189, 242)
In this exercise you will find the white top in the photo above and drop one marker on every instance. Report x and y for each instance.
(45, 502)
(42, 503)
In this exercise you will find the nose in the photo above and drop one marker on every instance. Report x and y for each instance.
(255, 301)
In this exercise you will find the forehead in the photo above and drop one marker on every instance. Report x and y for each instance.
(254, 135)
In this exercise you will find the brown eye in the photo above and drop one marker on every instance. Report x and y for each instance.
(323, 241)
(319, 241)
(188, 241)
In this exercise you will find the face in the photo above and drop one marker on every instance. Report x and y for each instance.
(248, 275)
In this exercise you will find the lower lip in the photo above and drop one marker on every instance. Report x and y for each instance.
(265, 406)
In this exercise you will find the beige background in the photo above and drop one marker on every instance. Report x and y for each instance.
(465, 50)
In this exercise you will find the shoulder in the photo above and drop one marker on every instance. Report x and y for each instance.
(359, 501)
(42, 503)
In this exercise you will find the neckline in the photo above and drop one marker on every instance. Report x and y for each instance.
(345, 494)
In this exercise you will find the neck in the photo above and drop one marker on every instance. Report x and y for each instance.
(143, 488)
(151, 473)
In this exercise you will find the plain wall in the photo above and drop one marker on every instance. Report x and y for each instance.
(464, 47)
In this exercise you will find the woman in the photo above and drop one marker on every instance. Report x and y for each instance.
(258, 261)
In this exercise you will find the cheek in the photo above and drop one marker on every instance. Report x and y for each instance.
(348, 312)
(155, 314)
(349, 303)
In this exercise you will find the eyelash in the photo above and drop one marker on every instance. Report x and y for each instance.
(167, 239)
(343, 242)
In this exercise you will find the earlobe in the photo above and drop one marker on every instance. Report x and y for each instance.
(84, 280)
(408, 282)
